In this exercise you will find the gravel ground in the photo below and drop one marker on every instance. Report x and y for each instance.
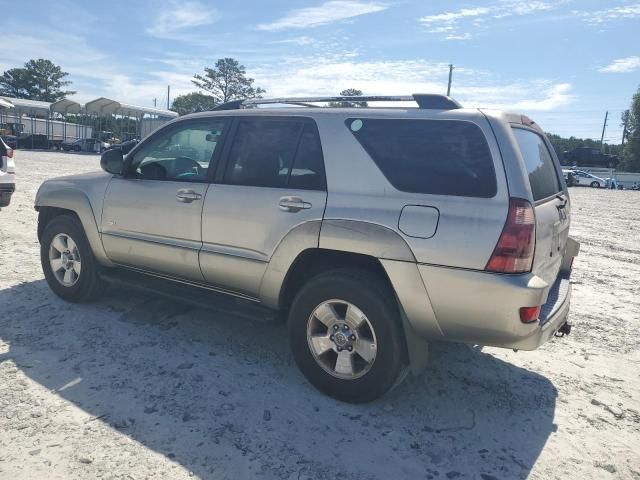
(136, 386)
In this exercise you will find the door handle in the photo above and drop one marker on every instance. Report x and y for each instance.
(187, 196)
(293, 204)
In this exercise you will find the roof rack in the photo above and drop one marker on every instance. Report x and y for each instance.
(424, 101)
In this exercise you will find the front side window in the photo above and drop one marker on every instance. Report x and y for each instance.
(181, 153)
(543, 177)
(440, 157)
(277, 153)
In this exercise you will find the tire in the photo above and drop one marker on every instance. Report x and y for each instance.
(83, 283)
(359, 292)
(595, 184)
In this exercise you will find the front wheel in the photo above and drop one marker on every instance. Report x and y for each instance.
(346, 335)
(67, 261)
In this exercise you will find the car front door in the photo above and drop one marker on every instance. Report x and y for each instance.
(272, 182)
(152, 214)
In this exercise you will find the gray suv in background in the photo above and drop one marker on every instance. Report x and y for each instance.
(375, 230)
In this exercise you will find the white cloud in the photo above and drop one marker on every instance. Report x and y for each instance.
(622, 65)
(448, 24)
(451, 17)
(610, 14)
(328, 76)
(328, 12)
(302, 41)
(174, 17)
(536, 95)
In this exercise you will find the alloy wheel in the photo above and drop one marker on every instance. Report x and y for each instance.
(341, 339)
(64, 259)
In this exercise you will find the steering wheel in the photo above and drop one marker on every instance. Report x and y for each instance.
(187, 167)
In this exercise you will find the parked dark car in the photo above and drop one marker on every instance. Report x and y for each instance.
(125, 147)
(589, 157)
(10, 140)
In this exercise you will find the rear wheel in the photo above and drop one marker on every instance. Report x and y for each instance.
(595, 184)
(67, 261)
(346, 336)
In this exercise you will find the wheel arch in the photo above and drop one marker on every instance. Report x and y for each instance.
(314, 261)
(352, 240)
(51, 203)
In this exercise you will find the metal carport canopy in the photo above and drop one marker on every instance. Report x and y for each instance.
(66, 106)
(104, 105)
(34, 107)
(4, 103)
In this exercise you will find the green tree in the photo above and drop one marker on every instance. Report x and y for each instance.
(349, 92)
(632, 147)
(13, 83)
(624, 123)
(227, 81)
(193, 102)
(561, 145)
(39, 79)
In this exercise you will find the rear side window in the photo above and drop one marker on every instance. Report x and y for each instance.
(543, 177)
(441, 157)
(308, 167)
(276, 153)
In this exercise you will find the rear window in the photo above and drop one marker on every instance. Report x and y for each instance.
(543, 177)
(440, 157)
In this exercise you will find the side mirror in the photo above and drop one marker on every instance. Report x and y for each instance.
(112, 161)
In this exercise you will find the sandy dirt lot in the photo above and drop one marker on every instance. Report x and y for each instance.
(136, 386)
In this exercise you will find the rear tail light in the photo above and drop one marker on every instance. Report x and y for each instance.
(529, 314)
(516, 245)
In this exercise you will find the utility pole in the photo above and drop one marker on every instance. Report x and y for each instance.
(604, 127)
(168, 95)
(450, 77)
(155, 100)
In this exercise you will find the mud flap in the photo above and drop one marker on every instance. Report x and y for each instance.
(571, 250)
(417, 348)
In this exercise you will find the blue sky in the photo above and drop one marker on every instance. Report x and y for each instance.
(563, 62)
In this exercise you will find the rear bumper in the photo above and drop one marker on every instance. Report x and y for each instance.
(474, 307)
(481, 308)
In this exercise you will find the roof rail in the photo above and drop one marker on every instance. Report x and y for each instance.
(424, 101)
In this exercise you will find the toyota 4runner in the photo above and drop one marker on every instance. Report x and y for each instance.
(375, 230)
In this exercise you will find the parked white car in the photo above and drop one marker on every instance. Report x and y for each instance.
(580, 177)
(86, 145)
(7, 174)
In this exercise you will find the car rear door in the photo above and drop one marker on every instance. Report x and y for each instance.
(551, 203)
(271, 182)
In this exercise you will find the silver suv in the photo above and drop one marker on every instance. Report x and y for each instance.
(376, 230)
